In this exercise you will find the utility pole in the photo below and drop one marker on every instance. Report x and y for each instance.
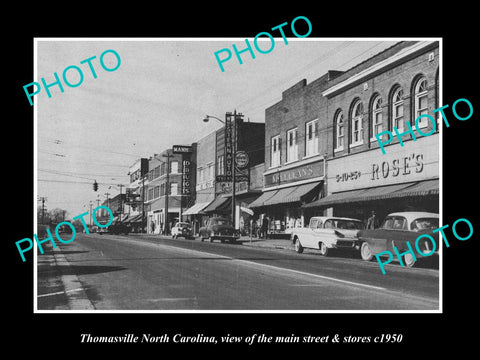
(121, 201)
(167, 190)
(43, 199)
(108, 200)
(90, 213)
(143, 202)
(234, 150)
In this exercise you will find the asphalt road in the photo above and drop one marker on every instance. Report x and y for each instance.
(120, 272)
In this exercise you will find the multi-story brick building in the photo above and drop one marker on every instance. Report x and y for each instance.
(391, 89)
(294, 154)
(203, 166)
(321, 147)
(157, 191)
(249, 138)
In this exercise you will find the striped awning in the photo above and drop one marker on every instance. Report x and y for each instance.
(196, 209)
(285, 195)
(418, 188)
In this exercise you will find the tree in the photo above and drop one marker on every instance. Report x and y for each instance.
(57, 215)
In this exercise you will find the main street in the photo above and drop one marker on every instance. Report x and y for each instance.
(134, 272)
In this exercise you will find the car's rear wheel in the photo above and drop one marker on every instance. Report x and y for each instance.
(298, 246)
(409, 260)
(323, 249)
(366, 252)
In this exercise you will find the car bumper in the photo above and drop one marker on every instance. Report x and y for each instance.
(347, 244)
(224, 237)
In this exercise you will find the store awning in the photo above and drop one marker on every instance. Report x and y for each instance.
(133, 219)
(285, 195)
(419, 188)
(262, 198)
(220, 204)
(196, 209)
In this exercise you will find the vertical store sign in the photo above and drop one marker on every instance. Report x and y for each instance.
(186, 175)
(228, 145)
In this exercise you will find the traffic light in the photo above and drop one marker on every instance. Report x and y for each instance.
(95, 185)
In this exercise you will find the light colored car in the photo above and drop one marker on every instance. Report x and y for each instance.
(396, 230)
(328, 232)
(182, 229)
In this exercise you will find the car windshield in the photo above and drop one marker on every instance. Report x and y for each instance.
(221, 222)
(343, 224)
(424, 224)
(182, 225)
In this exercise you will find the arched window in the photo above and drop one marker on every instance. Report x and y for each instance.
(377, 117)
(421, 100)
(397, 109)
(339, 131)
(357, 129)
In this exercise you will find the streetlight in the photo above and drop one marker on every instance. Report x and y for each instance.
(234, 151)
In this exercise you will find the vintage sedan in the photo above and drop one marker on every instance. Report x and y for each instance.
(182, 229)
(324, 233)
(396, 230)
(218, 228)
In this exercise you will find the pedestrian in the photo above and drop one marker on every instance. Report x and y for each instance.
(153, 227)
(264, 227)
(372, 221)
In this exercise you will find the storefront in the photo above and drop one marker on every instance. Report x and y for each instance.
(286, 190)
(404, 179)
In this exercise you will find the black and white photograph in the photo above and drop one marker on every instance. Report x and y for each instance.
(223, 181)
(191, 203)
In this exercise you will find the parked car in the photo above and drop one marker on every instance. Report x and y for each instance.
(182, 229)
(324, 233)
(114, 229)
(396, 230)
(218, 228)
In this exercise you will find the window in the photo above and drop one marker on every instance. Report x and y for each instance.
(150, 194)
(211, 174)
(174, 167)
(162, 169)
(377, 117)
(162, 189)
(156, 192)
(275, 151)
(292, 148)
(421, 101)
(397, 110)
(221, 165)
(173, 189)
(339, 131)
(311, 138)
(156, 173)
(150, 175)
(357, 129)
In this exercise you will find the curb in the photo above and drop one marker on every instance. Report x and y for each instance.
(73, 288)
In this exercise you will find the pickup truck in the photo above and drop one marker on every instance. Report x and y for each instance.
(328, 232)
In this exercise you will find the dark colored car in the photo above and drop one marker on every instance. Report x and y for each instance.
(218, 228)
(396, 230)
(115, 228)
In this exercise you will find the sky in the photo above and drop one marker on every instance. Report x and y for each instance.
(156, 98)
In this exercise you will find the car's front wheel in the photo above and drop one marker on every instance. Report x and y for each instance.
(366, 252)
(298, 246)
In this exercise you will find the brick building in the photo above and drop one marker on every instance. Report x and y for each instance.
(295, 154)
(388, 90)
(157, 191)
(250, 139)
